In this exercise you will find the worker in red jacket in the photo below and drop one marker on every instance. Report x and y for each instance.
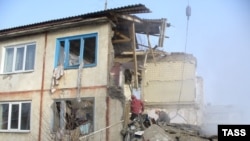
(137, 107)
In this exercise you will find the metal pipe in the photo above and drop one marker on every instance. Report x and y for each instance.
(107, 118)
(134, 52)
(42, 88)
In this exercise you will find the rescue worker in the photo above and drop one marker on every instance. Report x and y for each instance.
(137, 107)
(163, 117)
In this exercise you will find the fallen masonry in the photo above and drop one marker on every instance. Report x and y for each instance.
(175, 132)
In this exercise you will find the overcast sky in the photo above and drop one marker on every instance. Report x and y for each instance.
(219, 35)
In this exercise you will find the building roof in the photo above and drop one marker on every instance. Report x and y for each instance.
(130, 9)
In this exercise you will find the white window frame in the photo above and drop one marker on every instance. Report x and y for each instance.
(19, 117)
(15, 47)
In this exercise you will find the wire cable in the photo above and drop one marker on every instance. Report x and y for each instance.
(188, 14)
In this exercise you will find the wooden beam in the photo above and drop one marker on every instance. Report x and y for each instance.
(130, 53)
(130, 18)
(149, 44)
(121, 35)
(123, 39)
(120, 41)
(133, 44)
(159, 36)
(162, 33)
(143, 45)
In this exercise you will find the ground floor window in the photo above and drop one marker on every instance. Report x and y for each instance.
(70, 114)
(15, 116)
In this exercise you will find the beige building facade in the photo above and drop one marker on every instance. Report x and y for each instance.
(64, 79)
(34, 86)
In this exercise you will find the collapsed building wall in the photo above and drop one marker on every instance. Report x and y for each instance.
(170, 83)
(176, 132)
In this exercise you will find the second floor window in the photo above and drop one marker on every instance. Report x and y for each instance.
(19, 58)
(72, 50)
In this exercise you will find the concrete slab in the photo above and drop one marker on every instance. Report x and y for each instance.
(156, 133)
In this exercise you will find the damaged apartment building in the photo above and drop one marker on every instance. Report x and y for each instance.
(71, 78)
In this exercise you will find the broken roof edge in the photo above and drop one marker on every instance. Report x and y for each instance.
(130, 9)
(174, 56)
(159, 20)
(178, 56)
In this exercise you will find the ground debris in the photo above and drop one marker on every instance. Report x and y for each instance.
(156, 133)
(175, 132)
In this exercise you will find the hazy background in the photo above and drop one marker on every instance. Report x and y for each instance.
(219, 36)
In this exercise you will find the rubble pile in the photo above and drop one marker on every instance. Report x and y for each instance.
(175, 132)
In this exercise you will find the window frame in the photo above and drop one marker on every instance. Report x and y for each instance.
(13, 68)
(9, 129)
(66, 50)
(53, 128)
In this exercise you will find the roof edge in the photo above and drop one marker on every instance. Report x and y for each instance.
(130, 9)
(51, 27)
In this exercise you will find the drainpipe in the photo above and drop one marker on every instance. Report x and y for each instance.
(107, 118)
(42, 88)
(109, 66)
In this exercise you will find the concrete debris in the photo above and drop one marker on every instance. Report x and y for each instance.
(58, 72)
(177, 132)
(139, 133)
(116, 92)
(156, 133)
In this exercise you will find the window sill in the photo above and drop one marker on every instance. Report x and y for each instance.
(17, 72)
(77, 67)
(14, 131)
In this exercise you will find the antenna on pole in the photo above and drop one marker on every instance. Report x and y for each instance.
(188, 11)
(106, 3)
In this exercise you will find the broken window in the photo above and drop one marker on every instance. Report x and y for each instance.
(73, 115)
(128, 76)
(72, 50)
(19, 58)
(15, 116)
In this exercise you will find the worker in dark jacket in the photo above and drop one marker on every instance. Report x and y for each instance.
(137, 107)
(163, 117)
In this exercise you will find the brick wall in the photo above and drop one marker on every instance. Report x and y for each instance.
(166, 80)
